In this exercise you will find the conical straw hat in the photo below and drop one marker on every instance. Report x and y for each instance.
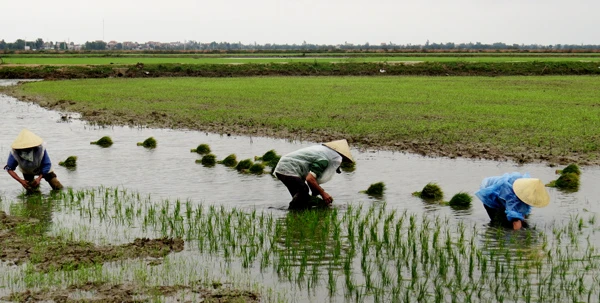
(531, 191)
(26, 139)
(341, 146)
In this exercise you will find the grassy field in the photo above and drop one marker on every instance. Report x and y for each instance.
(553, 118)
(234, 59)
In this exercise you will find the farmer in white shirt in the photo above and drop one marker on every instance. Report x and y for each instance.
(309, 167)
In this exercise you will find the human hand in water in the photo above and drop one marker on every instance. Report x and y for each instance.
(327, 198)
(517, 224)
(35, 183)
(25, 184)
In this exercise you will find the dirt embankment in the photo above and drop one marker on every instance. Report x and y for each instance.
(459, 68)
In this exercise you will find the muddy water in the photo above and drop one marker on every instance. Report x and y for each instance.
(170, 170)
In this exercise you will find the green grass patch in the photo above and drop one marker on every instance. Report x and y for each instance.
(538, 117)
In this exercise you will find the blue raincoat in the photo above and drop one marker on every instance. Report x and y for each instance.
(497, 193)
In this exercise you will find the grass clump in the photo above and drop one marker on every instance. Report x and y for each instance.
(148, 143)
(229, 161)
(70, 162)
(208, 160)
(244, 165)
(105, 141)
(375, 189)
(431, 191)
(257, 168)
(461, 199)
(202, 149)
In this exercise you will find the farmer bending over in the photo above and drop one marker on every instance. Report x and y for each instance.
(508, 198)
(308, 168)
(29, 154)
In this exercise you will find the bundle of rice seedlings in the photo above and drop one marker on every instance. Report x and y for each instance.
(571, 168)
(148, 143)
(461, 199)
(229, 161)
(257, 168)
(348, 166)
(202, 149)
(71, 162)
(268, 156)
(568, 181)
(105, 141)
(208, 160)
(244, 165)
(431, 191)
(569, 178)
(375, 189)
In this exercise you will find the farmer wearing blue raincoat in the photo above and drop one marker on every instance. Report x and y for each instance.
(508, 198)
(309, 167)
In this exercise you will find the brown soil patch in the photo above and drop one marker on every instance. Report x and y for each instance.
(129, 292)
(20, 243)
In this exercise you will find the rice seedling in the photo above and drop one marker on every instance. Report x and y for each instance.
(244, 165)
(375, 189)
(105, 141)
(567, 181)
(461, 199)
(229, 161)
(148, 143)
(431, 191)
(208, 160)
(571, 168)
(267, 156)
(202, 149)
(381, 254)
(348, 166)
(257, 169)
(70, 162)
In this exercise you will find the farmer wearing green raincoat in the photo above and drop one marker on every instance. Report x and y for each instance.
(308, 168)
(29, 154)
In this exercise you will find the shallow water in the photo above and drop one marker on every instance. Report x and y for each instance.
(170, 172)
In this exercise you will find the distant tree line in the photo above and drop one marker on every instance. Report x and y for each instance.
(192, 45)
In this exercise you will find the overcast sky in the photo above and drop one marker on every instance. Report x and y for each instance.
(314, 21)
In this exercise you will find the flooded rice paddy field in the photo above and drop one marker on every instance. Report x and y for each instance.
(237, 231)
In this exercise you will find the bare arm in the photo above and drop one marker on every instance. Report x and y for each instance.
(14, 175)
(313, 184)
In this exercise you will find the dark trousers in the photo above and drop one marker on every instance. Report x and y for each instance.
(498, 217)
(298, 189)
(48, 177)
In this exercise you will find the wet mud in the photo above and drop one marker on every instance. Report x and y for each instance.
(20, 243)
(128, 292)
